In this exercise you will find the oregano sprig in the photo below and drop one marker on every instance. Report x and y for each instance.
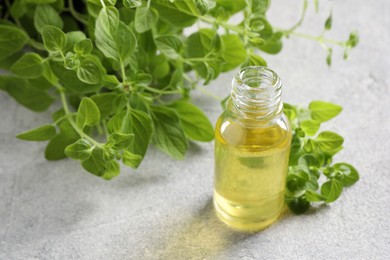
(123, 72)
(311, 158)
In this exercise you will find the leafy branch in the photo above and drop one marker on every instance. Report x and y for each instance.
(121, 70)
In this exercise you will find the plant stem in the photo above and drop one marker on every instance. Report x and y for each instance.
(72, 122)
(228, 26)
(161, 91)
(208, 93)
(37, 45)
(320, 39)
(300, 21)
(123, 72)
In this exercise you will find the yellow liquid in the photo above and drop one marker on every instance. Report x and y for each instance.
(250, 172)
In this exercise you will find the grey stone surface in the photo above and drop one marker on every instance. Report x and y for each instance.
(163, 210)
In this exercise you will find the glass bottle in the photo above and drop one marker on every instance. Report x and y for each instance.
(252, 147)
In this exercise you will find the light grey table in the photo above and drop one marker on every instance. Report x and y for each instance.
(163, 210)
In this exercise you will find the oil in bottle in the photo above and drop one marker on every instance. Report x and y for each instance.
(252, 146)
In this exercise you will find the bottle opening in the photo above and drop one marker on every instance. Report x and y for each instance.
(256, 93)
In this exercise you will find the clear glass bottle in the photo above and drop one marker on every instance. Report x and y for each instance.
(252, 147)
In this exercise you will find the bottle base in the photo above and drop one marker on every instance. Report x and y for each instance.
(241, 223)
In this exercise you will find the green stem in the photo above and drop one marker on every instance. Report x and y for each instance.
(162, 91)
(300, 21)
(228, 26)
(123, 71)
(75, 14)
(37, 45)
(105, 130)
(208, 93)
(320, 39)
(102, 2)
(72, 122)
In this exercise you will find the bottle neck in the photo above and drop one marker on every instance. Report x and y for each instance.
(256, 95)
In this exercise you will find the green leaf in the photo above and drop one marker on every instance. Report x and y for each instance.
(113, 38)
(169, 45)
(80, 150)
(324, 111)
(353, 39)
(331, 190)
(112, 170)
(309, 161)
(142, 128)
(12, 40)
(195, 123)
(290, 111)
(42, 133)
(46, 15)
(132, 3)
(234, 51)
(69, 80)
(137, 122)
(350, 174)
(329, 57)
(55, 148)
(179, 14)
(328, 23)
(259, 6)
(53, 38)
(145, 18)
(105, 103)
(18, 9)
(274, 44)
(177, 81)
(72, 38)
(131, 160)
(95, 163)
(168, 133)
(89, 71)
(298, 205)
(255, 60)
(310, 127)
(314, 196)
(83, 47)
(88, 113)
(328, 140)
(232, 6)
(204, 44)
(28, 66)
(119, 141)
(28, 96)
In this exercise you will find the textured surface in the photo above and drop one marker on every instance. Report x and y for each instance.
(163, 210)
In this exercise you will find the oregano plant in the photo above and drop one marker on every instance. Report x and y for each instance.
(124, 70)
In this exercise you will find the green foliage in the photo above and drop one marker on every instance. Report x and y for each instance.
(42, 133)
(30, 65)
(12, 40)
(124, 71)
(311, 158)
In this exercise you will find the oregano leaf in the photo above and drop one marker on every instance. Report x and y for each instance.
(88, 113)
(42, 133)
(53, 38)
(30, 65)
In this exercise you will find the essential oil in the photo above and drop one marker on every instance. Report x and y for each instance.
(252, 147)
